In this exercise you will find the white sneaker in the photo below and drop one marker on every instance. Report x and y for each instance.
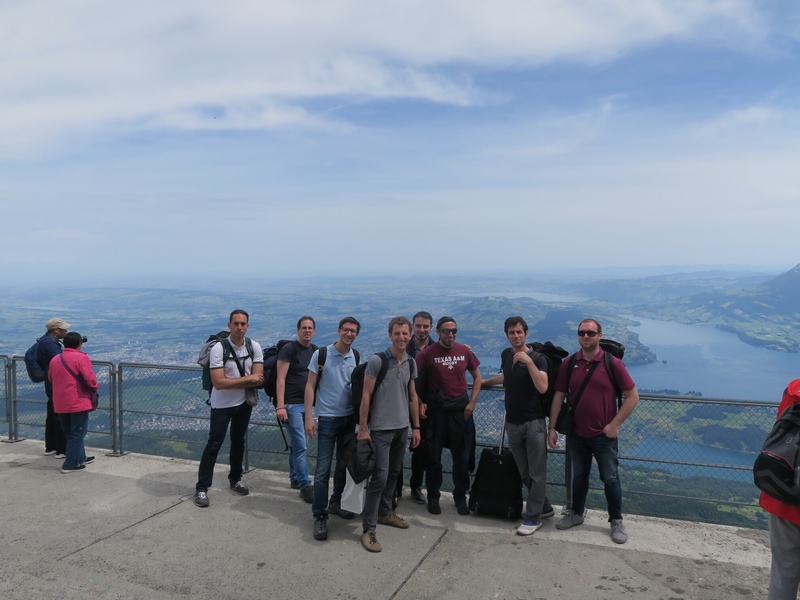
(528, 527)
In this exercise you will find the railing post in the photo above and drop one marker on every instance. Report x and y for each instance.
(117, 418)
(13, 428)
(7, 392)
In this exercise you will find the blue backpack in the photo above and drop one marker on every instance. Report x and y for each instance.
(35, 372)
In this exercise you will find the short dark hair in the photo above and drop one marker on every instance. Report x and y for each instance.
(399, 321)
(73, 340)
(443, 320)
(306, 318)
(423, 315)
(350, 320)
(590, 320)
(513, 322)
(238, 311)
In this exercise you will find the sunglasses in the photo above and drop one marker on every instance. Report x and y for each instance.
(587, 333)
(449, 331)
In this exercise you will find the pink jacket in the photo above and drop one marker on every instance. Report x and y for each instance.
(69, 395)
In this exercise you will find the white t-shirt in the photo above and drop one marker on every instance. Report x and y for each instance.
(234, 397)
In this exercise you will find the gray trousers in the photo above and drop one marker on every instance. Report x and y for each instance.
(784, 540)
(528, 443)
(390, 447)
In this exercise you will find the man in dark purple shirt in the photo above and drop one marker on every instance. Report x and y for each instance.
(597, 420)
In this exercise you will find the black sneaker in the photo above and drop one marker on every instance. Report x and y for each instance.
(240, 488)
(201, 499)
(294, 485)
(77, 469)
(434, 508)
(418, 496)
(320, 528)
(336, 509)
(89, 460)
(462, 508)
(307, 494)
(547, 510)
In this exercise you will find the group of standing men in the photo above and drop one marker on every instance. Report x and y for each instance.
(420, 383)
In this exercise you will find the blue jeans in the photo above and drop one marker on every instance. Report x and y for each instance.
(332, 434)
(604, 450)
(433, 477)
(74, 425)
(298, 464)
(239, 418)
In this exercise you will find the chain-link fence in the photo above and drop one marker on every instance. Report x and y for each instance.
(681, 457)
(5, 389)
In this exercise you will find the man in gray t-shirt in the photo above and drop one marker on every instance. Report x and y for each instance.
(387, 414)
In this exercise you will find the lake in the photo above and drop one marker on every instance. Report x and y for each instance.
(711, 361)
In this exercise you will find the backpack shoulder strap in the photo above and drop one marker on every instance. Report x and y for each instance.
(358, 357)
(609, 360)
(384, 368)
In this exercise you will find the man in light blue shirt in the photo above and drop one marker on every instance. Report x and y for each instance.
(329, 383)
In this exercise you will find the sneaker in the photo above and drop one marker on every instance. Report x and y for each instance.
(528, 527)
(418, 496)
(393, 520)
(462, 508)
(336, 509)
(569, 520)
(370, 541)
(77, 469)
(618, 532)
(547, 511)
(294, 485)
(307, 494)
(320, 528)
(89, 460)
(201, 499)
(49, 452)
(240, 488)
(434, 508)
(59, 455)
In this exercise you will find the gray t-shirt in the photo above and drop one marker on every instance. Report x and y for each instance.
(390, 403)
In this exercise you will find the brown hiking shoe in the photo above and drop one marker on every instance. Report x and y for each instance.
(393, 520)
(370, 541)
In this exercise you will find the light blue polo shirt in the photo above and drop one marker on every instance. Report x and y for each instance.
(334, 398)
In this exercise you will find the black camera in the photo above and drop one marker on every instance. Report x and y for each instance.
(84, 339)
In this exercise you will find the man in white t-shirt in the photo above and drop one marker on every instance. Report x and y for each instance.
(237, 371)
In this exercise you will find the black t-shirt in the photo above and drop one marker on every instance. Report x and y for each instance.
(298, 358)
(523, 400)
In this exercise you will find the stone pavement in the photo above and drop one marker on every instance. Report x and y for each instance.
(127, 529)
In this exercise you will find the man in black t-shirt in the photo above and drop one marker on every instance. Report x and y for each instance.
(290, 388)
(525, 380)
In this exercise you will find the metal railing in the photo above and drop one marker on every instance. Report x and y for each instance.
(681, 457)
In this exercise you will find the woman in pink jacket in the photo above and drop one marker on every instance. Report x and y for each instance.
(73, 382)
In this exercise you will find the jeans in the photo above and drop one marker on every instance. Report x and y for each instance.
(332, 434)
(528, 443)
(74, 426)
(784, 541)
(433, 477)
(390, 447)
(604, 450)
(239, 418)
(298, 464)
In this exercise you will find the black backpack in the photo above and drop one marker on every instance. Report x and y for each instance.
(611, 350)
(777, 467)
(357, 381)
(555, 355)
(205, 356)
(35, 372)
(271, 367)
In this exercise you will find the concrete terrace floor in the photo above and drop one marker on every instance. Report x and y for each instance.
(127, 528)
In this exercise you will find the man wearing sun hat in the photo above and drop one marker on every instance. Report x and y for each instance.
(784, 528)
(55, 444)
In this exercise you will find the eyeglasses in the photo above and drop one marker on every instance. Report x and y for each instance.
(349, 330)
(587, 333)
(449, 331)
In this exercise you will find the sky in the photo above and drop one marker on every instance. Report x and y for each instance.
(162, 141)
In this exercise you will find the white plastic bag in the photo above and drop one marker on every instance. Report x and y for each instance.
(354, 495)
